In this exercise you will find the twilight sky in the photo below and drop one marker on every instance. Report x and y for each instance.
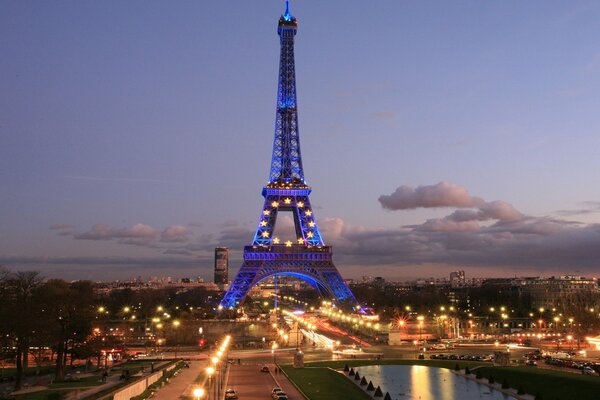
(135, 136)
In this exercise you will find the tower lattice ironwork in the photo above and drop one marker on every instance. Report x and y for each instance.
(308, 257)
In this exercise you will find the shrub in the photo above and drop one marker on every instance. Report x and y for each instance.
(467, 371)
(456, 367)
(505, 384)
(346, 368)
(478, 374)
(357, 376)
(491, 379)
(387, 396)
(351, 373)
(520, 390)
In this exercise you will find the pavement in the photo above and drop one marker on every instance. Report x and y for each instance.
(182, 384)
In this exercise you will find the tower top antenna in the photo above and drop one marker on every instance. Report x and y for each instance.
(287, 16)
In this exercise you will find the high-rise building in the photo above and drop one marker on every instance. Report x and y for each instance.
(457, 279)
(221, 265)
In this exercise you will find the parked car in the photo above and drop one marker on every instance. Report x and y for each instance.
(588, 371)
(264, 369)
(231, 394)
(531, 363)
(278, 394)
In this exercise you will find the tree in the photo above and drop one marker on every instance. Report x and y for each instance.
(19, 314)
(67, 312)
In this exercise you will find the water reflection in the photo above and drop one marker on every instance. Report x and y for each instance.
(417, 382)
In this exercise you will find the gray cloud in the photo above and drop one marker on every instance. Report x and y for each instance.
(443, 194)
(175, 234)
(60, 227)
(105, 232)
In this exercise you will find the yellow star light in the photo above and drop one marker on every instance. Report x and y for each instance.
(274, 204)
(308, 212)
(309, 234)
(300, 204)
(287, 200)
(275, 240)
(300, 241)
(266, 212)
(265, 234)
(288, 243)
(263, 223)
(311, 224)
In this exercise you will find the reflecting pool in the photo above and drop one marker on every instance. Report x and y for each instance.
(417, 382)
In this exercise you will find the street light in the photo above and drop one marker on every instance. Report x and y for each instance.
(273, 347)
(210, 371)
(198, 393)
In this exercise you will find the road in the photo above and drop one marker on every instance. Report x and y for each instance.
(252, 384)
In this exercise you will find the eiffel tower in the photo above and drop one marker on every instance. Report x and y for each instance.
(307, 258)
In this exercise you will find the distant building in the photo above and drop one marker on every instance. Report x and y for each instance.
(221, 265)
(550, 291)
(457, 279)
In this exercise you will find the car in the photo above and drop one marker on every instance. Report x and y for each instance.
(264, 369)
(531, 363)
(588, 371)
(421, 356)
(278, 395)
(281, 397)
(276, 390)
(231, 394)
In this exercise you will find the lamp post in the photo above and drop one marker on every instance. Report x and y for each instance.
(215, 362)
(420, 318)
(273, 347)
(198, 393)
(210, 371)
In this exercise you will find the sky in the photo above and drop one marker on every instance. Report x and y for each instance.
(135, 136)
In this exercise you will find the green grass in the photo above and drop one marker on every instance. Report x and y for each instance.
(30, 371)
(41, 395)
(551, 385)
(324, 384)
(94, 380)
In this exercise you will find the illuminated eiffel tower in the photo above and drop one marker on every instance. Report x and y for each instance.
(307, 257)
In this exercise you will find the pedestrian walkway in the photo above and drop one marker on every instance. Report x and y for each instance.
(182, 384)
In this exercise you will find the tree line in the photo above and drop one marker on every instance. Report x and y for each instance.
(37, 313)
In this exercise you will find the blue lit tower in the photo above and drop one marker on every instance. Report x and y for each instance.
(307, 258)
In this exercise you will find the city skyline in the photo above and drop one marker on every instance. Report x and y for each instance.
(436, 136)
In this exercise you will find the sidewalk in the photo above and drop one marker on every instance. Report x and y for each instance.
(181, 384)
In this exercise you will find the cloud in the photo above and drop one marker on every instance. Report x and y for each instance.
(443, 194)
(105, 232)
(588, 207)
(175, 234)
(113, 180)
(60, 227)
(529, 243)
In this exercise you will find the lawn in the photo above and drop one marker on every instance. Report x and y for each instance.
(324, 384)
(93, 380)
(546, 384)
(42, 395)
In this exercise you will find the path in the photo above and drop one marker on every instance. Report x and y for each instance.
(181, 384)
